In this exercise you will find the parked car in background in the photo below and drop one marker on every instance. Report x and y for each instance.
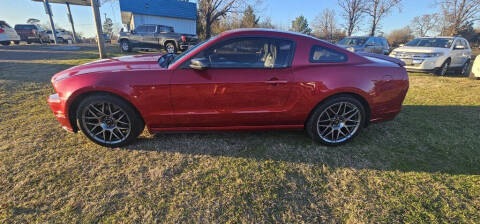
(156, 36)
(8, 34)
(107, 38)
(239, 80)
(377, 45)
(475, 74)
(63, 36)
(32, 33)
(435, 54)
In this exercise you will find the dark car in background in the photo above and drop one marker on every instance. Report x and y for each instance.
(32, 33)
(377, 45)
(156, 36)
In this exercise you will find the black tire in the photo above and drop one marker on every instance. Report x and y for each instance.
(465, 69)
(125, 46)
(442, 71)
(343, 123)
(16, 42)
(28, 42)
(120, 121)
(5, 43)
(170, 47)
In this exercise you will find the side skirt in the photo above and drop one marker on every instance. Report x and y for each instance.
(227, 128)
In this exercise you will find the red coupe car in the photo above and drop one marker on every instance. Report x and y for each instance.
(248, 79)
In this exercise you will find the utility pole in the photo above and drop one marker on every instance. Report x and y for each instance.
(98, 23)
(52, 25)
(71, 22)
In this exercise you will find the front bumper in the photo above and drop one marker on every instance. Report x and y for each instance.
(423, 64)
(57, 105)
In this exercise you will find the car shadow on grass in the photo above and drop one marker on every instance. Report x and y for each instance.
(421, 139)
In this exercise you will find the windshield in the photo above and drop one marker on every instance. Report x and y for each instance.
(431, 42)
(353, 41)
(178, 57)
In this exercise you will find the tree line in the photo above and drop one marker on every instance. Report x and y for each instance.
(453, 17)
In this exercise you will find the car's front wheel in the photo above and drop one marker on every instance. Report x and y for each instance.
(109, 121)
(337, 120)
(444, 69)
(125, 46)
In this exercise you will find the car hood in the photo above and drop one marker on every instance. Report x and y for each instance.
(118, 64)
(420, 49)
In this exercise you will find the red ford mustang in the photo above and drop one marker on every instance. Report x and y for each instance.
(249, 79)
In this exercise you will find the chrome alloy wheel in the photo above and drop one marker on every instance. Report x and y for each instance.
(125, 46)
(339, 122)
(170, 48)
(106, 122)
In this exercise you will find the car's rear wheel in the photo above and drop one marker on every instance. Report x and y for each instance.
(109, 121)
(337, 120)
(170, 48)
(444, 69)
(125, 46)
(464, 69)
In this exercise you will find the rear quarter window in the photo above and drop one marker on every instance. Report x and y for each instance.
(320, 54)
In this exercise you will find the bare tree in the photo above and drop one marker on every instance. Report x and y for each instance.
(353, 10)
(325, 24)
(458, 13)
(400, 36)
(211, 10)
(377, 10)
(423, 24)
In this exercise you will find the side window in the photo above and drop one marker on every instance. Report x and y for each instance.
(141, 29)
(250, 52)
(465, 43)
(458, 43)
(325, 55)
(151, 29)
(370, 41)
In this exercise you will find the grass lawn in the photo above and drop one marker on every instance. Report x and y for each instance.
(423, 167)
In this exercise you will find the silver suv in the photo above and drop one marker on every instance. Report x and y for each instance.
(377, 45)
(435, 54)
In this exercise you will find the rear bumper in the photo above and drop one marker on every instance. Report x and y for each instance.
(57, 105)
(423, 70)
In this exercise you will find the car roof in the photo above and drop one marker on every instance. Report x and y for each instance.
(267, 31)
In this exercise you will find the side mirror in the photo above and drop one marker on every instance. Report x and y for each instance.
(199, 63)
(165, 60)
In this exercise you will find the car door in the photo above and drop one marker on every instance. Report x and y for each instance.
(370, 45)
(148, 37)
(248, 83)
(137, 35)
(458, 53)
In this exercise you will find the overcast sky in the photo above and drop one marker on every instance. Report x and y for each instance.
(282, 12)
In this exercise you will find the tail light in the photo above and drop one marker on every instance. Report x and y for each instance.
(184, 38)
(2, 30)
